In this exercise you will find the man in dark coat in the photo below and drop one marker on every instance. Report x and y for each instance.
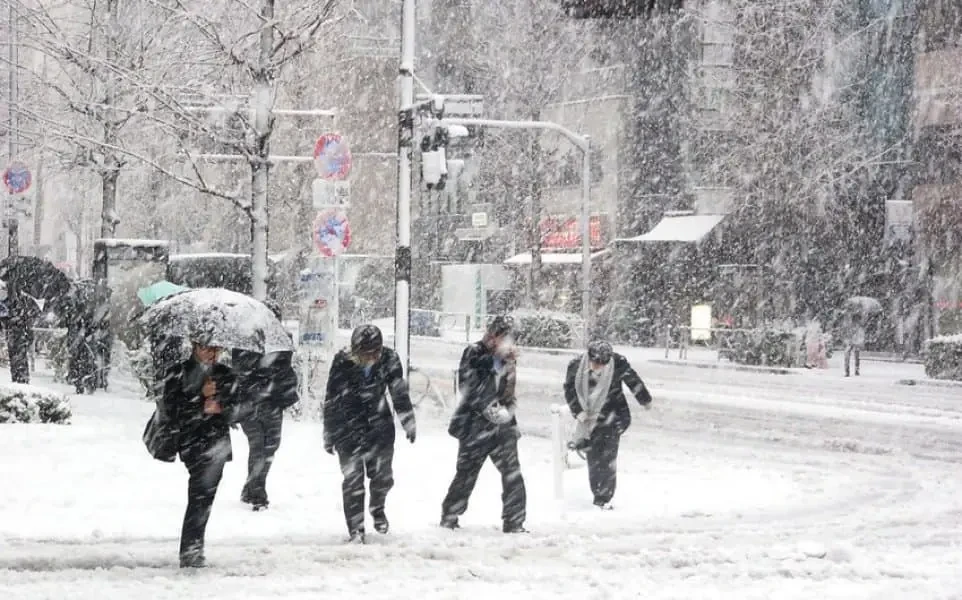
(359, 423)
(593, 391)
(79, 318)
(485, 427)
(198, 400)
(270, 382)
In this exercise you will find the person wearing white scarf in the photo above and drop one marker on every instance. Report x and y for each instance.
(593, 391)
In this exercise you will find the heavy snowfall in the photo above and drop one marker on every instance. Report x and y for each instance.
(736, 485)
(471, 298)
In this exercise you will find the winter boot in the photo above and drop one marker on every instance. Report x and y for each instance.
(193, 558)
(603, 505)
(513, 528)
(450, 523)
(381, 524)
(357, 537)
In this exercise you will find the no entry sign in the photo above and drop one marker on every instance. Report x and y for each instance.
(17, 178)
(331, 232)
(332, 157)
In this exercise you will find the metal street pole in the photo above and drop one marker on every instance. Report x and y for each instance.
(13, 131)
(402, 256)
(586, 240)
(583, 143)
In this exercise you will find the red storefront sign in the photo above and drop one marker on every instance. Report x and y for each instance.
(564, 233)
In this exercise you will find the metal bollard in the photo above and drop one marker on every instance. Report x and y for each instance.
(559, 450)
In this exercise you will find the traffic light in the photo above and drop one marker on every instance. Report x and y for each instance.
(621, 9)
(434, 160)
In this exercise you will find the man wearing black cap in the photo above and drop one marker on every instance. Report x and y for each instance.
(485, 426)
(359, 424)
(593, 391)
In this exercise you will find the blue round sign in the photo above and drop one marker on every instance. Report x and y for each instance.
(17, 178)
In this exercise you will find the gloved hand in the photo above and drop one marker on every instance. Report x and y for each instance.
(328, 446)
(646, 405)
(411, 432)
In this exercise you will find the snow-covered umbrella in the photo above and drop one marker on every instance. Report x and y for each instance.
(222, 318)
(158, 291)
(863, 304)
(32, 282)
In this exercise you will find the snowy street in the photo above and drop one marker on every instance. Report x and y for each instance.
(735, 485)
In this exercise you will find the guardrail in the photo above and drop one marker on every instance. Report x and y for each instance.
(719, 340)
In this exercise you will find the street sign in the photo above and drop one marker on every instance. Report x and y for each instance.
(479, 220)
(316, 285)
(327, 194)
(17, 178)
(332, 157)
(331, 232)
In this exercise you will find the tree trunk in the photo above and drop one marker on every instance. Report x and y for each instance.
(260, 167)
(534, 215)
(108, 217)
(110, 172)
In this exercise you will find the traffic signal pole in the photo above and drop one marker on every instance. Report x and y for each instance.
(402, 256)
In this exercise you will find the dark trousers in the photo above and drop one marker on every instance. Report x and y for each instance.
(849, 350)
(206, 467)
(602, 458)
(263, 431)
(503, 451)
(19, 339)
(377, 464)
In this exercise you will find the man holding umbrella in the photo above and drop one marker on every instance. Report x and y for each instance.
(359, 424)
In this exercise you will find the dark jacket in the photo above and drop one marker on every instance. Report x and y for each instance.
(266, 378)
(183, 406)
(478, 387)
(614, 412)
(356, 410)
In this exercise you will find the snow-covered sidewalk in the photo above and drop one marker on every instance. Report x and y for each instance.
(712, 503)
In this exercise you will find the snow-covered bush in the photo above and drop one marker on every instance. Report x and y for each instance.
(543, 329)
(943, 357)
(20, 403)
(766, 347)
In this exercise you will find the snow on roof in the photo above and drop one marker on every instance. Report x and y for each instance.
(114, 242)
(552, 258)
(683, 228)
(208, 255)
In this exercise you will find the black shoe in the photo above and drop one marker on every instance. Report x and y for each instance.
(357, 537)
(193, 559)
(245, 497)
(450, 523)
(381, 524)
(604, 505)
(508, 528)
(260, 505)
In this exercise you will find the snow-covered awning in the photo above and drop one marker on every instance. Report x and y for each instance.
(679, 228)
(553, 258)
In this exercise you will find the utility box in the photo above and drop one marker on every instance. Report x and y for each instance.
(474, 290)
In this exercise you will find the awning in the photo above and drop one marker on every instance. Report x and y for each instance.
(681, 228)
(554, 258)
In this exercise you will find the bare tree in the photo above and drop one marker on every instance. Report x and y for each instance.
(138, 82)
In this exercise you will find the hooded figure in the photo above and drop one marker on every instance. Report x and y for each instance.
(485, 427)
(270, 383)
(594, 395)
(359, 423)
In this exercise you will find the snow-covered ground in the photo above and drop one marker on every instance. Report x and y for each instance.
(736, 485)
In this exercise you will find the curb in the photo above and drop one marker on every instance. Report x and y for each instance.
(930, 382)
(724, 367)
(462, 344)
